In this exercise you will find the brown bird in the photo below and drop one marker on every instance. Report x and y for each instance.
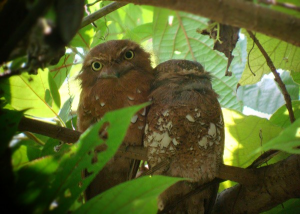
(115, 74)
(185, 125)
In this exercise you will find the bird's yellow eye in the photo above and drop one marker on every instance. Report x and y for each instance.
(97, 66)
(129, 55)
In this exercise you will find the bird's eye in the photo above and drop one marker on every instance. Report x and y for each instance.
(97, 66)
(129, 55)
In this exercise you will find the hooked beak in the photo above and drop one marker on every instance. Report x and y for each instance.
(114, 71)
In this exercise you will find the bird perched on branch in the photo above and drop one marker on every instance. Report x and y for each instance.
(115, 74)
(185, 126)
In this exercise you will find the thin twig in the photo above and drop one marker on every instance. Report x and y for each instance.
(100, 13)
(285, 93)
(248, 61)
(281, 4)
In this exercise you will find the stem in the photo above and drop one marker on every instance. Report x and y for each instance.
(285, 93)
(100, 13)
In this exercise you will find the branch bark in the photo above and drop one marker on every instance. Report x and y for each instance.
(100, 13)
(277, 183)
(259, 189)
(243, 14)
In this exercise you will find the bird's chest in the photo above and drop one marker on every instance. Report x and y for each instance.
(108, 97)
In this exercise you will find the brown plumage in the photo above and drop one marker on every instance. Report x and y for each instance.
(114, 75)
(185, 125)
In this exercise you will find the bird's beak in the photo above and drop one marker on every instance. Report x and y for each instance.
(114, 71)
(108, 73)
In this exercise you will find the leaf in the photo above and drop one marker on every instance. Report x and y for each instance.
(283, 55)
(34, 93)
(243, 138)
(289, 207)
(60, 71)
(296, 77)
(70, 170)
(125, 23)
(9, 121)
(139, 33)
(24, 152)
(281, 116)
(58, 178)
(175, 37)
(83, 38)
(65, 110)
(288, 140)
(135, 196)
(258, 97)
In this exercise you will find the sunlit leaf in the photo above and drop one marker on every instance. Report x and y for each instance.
(60, 71)
(288, 140)
(65, 110)
(243, 135)
(32, 93)
(282, 54)
(83, 38)
(135, 196)
(281, 116)
(296, 77)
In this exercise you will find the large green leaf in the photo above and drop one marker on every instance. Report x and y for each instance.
(70, 170)
(60, 71)
(282, 54)
(140, 33)
(281, 116)
(175, 37)
(243, 138)
(83, 38)
(258, 97)
(38, 94)
(288, 140)
(57, 178)
(125, 23)
(135, 196)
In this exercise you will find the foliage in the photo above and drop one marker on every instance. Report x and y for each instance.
(47, 178)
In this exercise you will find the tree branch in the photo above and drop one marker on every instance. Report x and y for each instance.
(237, 13)
(50, 130)
(72, 136)
(277, 183)
(100, 13)
(258, 189)
(285, 93)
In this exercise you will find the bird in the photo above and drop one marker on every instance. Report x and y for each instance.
(185, 126)
(114, 74)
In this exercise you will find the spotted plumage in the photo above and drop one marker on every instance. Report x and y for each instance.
(115, 74)
(185, 125)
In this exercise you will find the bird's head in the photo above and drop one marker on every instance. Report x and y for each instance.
(113, 59)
